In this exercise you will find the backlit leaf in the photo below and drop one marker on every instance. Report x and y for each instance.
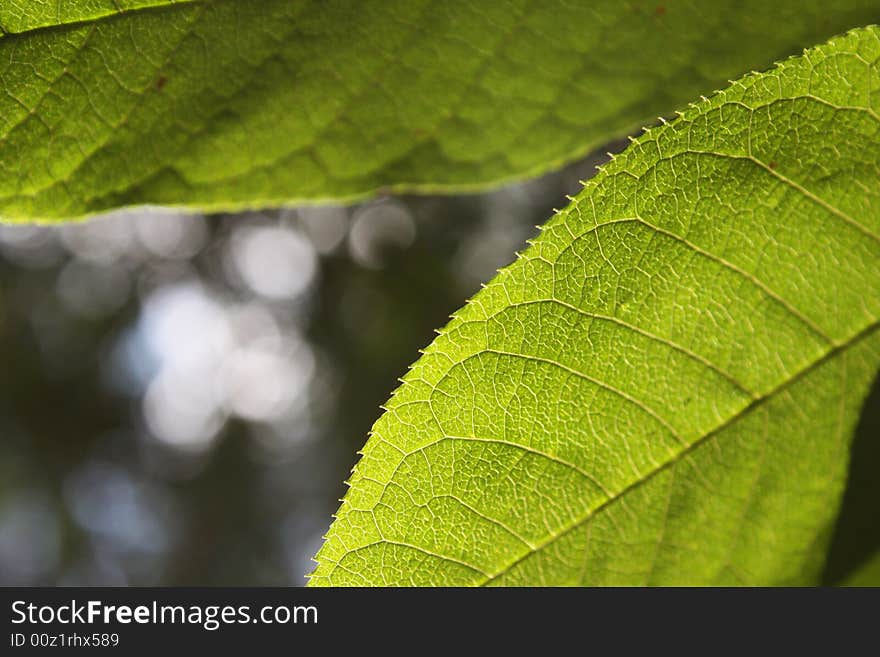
(224, 104)
(662, 388)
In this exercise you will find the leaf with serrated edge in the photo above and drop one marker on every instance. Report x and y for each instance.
(223, 104)
(663, 387)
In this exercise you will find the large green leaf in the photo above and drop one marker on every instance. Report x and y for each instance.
(225, 104)
(662, 388)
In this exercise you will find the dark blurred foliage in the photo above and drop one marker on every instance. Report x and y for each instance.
(181, 398)
(857, 534)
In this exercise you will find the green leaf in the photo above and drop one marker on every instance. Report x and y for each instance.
(662, 388)
(866, 575)
(226, 104)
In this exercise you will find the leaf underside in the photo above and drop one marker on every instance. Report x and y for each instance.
(225, 104)
(662, 388)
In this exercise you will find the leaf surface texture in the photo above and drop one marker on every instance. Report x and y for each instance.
(662, 388)
(223, 104)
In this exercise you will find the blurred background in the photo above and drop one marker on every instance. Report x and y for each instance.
(181, 397)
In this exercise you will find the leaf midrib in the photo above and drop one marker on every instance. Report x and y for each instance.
(755, 403)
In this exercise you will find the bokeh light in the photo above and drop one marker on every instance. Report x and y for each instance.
(183, 395)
